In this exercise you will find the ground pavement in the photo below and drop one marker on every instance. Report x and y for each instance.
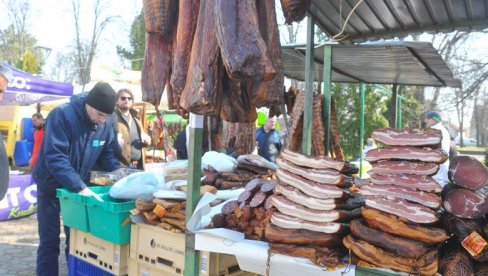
(18, 247)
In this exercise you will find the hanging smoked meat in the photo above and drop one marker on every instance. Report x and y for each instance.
(243, 50)
(187, 23)
(159, 15)
(269, 93)
(318, 135)
(202, 94)
(237, 104)
(294, 10)
(156, 68)
(294, 134)
(335, 136)
(241, 137)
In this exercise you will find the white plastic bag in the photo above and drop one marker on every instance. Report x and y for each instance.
(218, 161)
(137, 185)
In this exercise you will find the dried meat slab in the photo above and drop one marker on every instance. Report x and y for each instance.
(419, 182)
(270, 92)
(156, 68)
(243, 49)
(402, 208)
(202, 92)
(468, 172)
(427, 199)
(466, 203)
(407, 153)
(187, 24)
(404, 167)
(407, 136)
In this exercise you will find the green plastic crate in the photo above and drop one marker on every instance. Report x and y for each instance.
(73, 209)
(108, 219)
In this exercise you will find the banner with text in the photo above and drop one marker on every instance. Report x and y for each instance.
(21, 198)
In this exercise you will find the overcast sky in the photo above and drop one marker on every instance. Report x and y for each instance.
(52, 24)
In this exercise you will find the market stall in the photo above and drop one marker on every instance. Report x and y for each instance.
(306, 199)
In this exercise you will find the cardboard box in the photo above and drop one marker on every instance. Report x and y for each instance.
(110, 257)
(155, 250)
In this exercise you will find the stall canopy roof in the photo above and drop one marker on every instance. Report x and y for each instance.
(408, 63)
(374, 19)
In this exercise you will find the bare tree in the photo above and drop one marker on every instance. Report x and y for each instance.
(15, 40)
(85, 49)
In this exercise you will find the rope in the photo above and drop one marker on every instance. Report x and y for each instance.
(340, 36)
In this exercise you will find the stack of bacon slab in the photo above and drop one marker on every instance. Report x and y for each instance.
(311, 208)
(401, 203)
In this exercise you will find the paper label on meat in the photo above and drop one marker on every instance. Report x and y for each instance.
(474, 244)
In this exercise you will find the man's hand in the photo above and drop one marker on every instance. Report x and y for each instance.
(88, 192)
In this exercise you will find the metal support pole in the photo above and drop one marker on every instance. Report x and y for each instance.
(193, 190)
(327, 93)
(307, 109)
(399, 110)
(394, 106)
(361, 127)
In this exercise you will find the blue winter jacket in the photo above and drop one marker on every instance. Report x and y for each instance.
(71, 147)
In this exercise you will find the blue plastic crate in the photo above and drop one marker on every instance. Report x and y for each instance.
(78, 267)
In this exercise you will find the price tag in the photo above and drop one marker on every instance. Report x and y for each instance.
(474, 243)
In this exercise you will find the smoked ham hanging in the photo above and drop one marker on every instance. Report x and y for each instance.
(243, 50)
(187, 23)
(202, 92)
(271, 92)
(156, 68)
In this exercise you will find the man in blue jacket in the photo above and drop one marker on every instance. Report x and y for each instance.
(78, 136)
(268, 140)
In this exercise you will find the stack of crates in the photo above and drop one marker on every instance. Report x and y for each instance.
(100, 232)
(155, 251)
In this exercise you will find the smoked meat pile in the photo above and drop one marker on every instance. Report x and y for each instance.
(312, 207)
(402, 203)
(220, 58)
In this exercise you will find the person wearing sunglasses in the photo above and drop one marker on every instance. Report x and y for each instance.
(130, 132)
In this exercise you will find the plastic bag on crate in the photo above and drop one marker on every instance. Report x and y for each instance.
(137, 185)
(218, 161)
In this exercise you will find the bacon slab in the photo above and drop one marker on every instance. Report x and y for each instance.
(402, 208)
(293, 209)
(288, 222)
(399, 167)
(419, 182)
(324, 176)
(297, 196)
(309, 187)
(407, 136)
(321, 162)
(427, 199)
(407, 153)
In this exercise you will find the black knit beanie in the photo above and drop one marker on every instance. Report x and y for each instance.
(102, 97)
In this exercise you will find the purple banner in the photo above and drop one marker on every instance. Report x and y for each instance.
(28, 89)
(21, 198)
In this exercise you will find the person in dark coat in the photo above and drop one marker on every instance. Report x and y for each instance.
(78, 135)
